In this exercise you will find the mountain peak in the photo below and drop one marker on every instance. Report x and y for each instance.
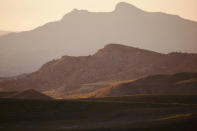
(122, 50)
(75, 12)
(116, 46)
(117, 49)
(123, 6)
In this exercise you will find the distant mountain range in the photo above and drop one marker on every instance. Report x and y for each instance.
(82, 33)
(112, 63)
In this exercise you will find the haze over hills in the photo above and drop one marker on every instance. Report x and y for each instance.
(81, 33)
(112, 63)
(4, 32)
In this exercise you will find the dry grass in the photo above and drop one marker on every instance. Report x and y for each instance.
(187, 81)
(178, 116)
(88, 90)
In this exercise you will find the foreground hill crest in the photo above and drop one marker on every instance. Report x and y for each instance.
(27, 94)
(119, 50)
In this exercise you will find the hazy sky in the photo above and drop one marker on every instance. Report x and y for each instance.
(19, 15)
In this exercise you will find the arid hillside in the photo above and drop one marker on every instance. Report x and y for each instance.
(112, 63)
(182, 83)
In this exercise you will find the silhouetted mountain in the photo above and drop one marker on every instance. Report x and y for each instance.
(183, 83)
(81, 33)
(25, 94)
(112, 63)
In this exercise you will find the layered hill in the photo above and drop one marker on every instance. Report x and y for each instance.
(28, 94)
(112, 63)
(181, 83)
(82, 33)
